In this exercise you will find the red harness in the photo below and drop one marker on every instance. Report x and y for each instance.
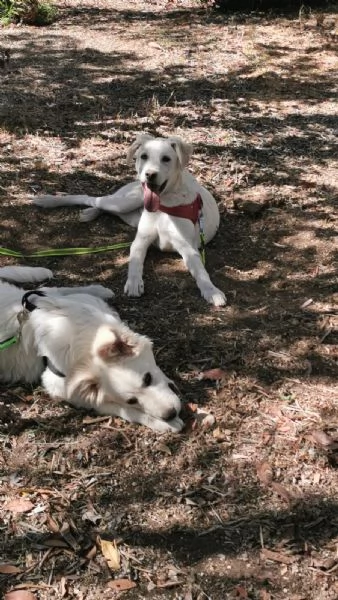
(190, 211)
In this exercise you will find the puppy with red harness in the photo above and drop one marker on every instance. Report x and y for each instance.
(167, 205)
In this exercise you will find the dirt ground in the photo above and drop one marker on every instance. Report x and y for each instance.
(247, 507)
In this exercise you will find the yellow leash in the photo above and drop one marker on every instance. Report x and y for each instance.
(63, 251)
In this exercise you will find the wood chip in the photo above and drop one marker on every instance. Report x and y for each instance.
(279, 557)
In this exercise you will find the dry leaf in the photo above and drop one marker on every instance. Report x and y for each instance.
(121, 585)
(208, 421)
(163, 448)
(111, 554)
(219, 435)
(323, 563)
(55, 541)
(241, 592)
(191, 407)
(19, 505)
(92, 516)
(52, 525)
(212, 374)
(20, 595)
(7, 569)
(91, 552)
(264, 473)
(282, 491)
(321, 438)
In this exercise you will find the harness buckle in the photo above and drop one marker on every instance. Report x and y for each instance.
(22, 317)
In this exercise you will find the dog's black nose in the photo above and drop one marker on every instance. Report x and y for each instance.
(151, 176)
(171, 414)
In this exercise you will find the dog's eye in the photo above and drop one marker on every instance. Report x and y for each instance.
(166, 159)
(147, 379)
(132, 400)
(144, 156)
(173, 387)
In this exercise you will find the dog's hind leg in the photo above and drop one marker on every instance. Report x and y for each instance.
(97, 290)
(126, 203)
(25, 274)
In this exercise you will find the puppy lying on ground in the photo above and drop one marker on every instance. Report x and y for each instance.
(166, 204)
(82, 352)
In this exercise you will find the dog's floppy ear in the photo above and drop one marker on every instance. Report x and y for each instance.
(115, 349)
(112, 345)
(182, 149)
(141, 139)
(84, 387)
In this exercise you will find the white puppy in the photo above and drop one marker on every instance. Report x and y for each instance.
(166, 204)
(82, 351)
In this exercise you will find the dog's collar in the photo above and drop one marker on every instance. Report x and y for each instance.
(152, 203)
(26, 303)
(49, 365)
(29, 306)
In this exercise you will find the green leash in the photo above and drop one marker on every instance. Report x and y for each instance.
(9, 342)
(63, 251)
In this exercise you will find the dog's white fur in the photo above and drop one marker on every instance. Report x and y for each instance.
(107, 366)
(161, 164)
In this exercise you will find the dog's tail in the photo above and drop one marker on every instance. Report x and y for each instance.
(57, 201)
(25, 274)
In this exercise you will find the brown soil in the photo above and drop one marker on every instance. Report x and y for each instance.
(246, 508)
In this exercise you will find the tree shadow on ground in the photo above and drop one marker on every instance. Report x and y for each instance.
(270, 265)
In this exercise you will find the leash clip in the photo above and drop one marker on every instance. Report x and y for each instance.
(202, 236)
(22, 317)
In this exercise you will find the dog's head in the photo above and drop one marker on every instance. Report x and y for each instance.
(159, 161)
(122, 369)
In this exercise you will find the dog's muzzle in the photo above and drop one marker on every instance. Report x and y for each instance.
(153, 185)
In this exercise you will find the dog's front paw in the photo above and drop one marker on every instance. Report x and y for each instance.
(100, 291)
(214, 296)
(134, 287)
(89, 214)
(174, 426)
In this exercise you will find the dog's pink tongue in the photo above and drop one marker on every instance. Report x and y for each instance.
(151, 199)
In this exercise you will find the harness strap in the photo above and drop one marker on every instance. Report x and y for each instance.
(29, 306)
(152, 203)
(49, 365)
(185, 211)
